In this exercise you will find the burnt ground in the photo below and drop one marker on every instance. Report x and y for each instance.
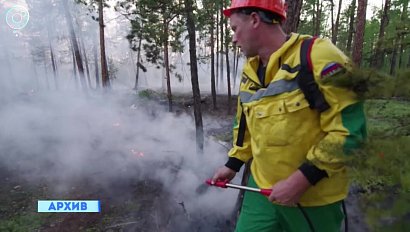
(127, 204)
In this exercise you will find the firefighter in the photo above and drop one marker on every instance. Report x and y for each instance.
(290, 124)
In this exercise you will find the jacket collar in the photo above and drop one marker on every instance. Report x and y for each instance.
(274, 61)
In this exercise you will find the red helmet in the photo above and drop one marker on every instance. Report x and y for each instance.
(275, 6)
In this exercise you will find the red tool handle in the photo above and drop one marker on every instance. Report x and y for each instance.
(221, 184)
(266, 192)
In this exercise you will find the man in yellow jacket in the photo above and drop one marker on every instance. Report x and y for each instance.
(290, 124)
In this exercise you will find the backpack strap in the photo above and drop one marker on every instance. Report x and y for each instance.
(241, 130)
(306, 80)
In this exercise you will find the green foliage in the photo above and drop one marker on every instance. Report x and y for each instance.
(381, 167)
(179, 77)
(370, 83)
(396, 40)
(158, 25)
(388, 118)
(22, 223)
(308, 14)
(370, 39)
(93, 6)
(367, 83)
(343, 33)
(148, 94)
(155, 22)
(206, 21)
(402, 84)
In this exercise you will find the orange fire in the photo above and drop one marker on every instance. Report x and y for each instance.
(137, 153)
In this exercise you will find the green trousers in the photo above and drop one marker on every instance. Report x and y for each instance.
(258, 214)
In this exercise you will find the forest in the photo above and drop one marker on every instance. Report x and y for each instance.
(131, 102)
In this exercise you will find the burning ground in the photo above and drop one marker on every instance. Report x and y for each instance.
(139, 160)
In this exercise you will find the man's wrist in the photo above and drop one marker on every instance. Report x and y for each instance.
(234, 164)
(312, 173)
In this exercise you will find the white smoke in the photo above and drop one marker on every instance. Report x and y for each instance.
(63, 137)
(60, 136)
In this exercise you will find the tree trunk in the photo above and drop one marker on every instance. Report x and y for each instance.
(237, 63)
(166, 61)
(97, 73)
(194, 77)
(74, 42)
(74, 70)
(351, 27)
(213, 86)
(394, 57)
(359, 36)
(399, 43)
(293, 13)
(318, 17)
(244, 182)
(138, 61)
(313, 21)
(336, 28)
(401, 53)
(228, 69)
(235, 66)
(408, 61)
(87, 68)
(104, 69)
(218, 14)
(378, 58)
(332, 22)
(234, 63)
(45, 71)
(53, 64)
(221, 64)
(401, 34)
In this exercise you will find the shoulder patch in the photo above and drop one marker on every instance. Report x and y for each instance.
(331, 69)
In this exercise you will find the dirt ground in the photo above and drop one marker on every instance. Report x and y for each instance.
(131, 205)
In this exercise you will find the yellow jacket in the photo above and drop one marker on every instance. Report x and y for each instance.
(282, 132)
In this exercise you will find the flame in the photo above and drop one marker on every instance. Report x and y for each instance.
(137, 153)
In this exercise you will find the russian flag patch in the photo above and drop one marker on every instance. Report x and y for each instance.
(331, 69)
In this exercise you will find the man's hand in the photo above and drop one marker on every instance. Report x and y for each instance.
(223, 173)
(289, 191)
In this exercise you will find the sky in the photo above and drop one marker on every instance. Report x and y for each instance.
(371, 4)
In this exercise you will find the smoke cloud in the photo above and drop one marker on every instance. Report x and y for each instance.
(53, 133)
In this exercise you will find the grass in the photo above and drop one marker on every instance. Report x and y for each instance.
(388, 117)
(382, 168)
(23, 222)
(19, 208)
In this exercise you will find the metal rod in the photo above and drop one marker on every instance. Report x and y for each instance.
(243, 187)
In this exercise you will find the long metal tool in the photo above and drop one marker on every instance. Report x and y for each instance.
(226, 184)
